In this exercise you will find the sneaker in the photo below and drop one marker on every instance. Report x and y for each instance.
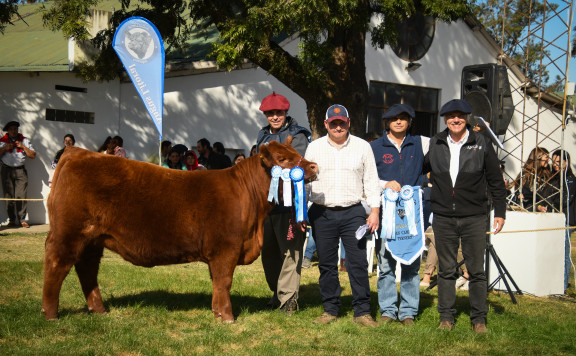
(290, 307)
(408, 321)
(424, 284)
(365, 320)
(480, 328)
(465, 286)
(306, 262)
(325, 318)
(446, 325)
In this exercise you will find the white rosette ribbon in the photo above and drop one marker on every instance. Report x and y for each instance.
(273, 192)
(297, 176)
(389, 199)
(407, 194)
(287, 186)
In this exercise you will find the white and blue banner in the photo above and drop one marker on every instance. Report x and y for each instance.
(141, 50)
(402, 217)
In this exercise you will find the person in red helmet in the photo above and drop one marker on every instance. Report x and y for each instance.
(281, 257)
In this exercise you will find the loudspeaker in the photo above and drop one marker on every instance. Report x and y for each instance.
(487, 89)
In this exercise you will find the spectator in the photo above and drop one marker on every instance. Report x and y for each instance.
(191, 162)
(282, 257)
(69, 141)
(115, 147)
(104, 146)
(568, 206)
(219, 148)
(239, 158)
(165, 148)
(208, 158)
(253, 150)
(174, 161)
(535, 168)
(14, 149)
(337, 212)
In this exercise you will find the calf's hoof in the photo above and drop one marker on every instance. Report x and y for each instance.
(52, 315)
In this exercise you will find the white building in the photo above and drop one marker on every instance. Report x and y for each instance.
(200, 101)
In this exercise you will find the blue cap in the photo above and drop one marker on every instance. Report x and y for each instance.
(337, 112)
(398, 109)
(456, 105)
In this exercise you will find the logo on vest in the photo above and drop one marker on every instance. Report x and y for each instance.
(388, 158)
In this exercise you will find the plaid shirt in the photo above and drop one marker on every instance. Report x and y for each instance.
(346, 175)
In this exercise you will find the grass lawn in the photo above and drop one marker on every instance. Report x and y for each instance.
(166, 311)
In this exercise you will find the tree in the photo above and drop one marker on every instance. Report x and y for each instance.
(8, 10)
(508, 23)
(330, 65)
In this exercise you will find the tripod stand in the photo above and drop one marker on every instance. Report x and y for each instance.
(503, 273)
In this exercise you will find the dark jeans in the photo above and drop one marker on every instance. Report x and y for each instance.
(472, 231)
(329, 227)
(14, 185)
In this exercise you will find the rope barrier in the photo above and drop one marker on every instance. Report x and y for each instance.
(13, 199)
(519, 231)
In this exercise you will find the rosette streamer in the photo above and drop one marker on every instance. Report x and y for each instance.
(297, 176)
(389, 199)
(287, 187)
(407, 193)
(273, 192)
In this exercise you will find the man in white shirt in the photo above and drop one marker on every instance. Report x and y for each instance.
(347, 173)
(14, 149)
(464, 170)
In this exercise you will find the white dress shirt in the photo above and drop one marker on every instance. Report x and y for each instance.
(346, 173)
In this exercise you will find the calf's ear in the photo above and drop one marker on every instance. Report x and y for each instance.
(289, 140)
(264, 154)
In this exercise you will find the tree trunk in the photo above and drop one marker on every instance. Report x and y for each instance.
(347, 86)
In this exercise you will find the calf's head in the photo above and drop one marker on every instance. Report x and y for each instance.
(283, 155)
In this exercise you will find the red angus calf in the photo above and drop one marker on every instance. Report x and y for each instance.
(154, 216)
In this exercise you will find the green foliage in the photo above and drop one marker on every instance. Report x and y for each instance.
(8, 9)
(509, 26)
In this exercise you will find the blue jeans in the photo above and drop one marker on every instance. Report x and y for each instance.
(409, 286)
(311, 246)
(567, 261)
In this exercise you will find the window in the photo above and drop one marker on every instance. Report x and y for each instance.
(423, 100)
(80, 117)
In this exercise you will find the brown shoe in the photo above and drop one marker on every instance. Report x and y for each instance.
(25, 224)
(408, 322)
(386, 320)
(325, 318)
(480, 328)
(365, 320)
(446, 325)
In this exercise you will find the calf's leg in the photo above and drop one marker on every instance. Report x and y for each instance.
(222, 273)
(87, 270)
(56, 268)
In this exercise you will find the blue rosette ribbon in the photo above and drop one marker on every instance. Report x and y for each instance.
(407, 194)
(389, 199)
(297, 176)
(273, 192)
(286, 187)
